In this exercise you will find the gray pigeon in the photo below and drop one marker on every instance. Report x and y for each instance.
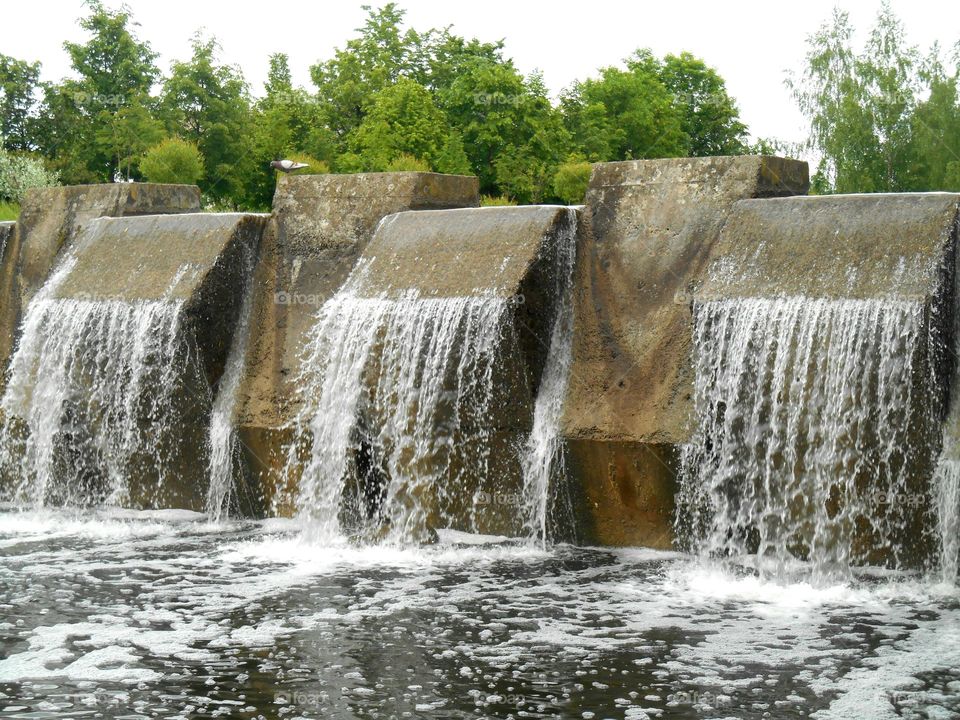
(287, 165)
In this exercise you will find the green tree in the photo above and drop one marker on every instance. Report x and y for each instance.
(208, 103)
(371, 62)
(173, 161)
(625, 114)
(513, 136)
(935, 127)
(708, 115)
(861, 106)
(115, 66)
(115, 74)
(405, 120)
(570, 182)
(126, 135)
(19, 81)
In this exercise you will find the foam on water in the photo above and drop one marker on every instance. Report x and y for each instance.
(811, 414)
(252, 613)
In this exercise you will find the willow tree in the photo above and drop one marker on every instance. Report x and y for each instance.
(882, 119)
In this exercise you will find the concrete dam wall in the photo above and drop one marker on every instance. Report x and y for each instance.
(698, 357)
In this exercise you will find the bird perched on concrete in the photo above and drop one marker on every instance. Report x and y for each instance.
(287, 165)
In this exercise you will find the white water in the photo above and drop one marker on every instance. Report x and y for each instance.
(85, 376)
(805, 412)
(947, 489)
(422, 371)
(222, 437)
(543, 454)
(122, 612)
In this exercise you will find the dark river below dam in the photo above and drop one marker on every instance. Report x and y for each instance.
(163, 614)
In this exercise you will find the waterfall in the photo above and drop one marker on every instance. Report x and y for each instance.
(947, 502)
(390, 388)
(224, 463)
(809, 416)
(86, 381)
(543, 456)
(406, 404)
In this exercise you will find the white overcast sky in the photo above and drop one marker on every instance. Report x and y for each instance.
(751, 44)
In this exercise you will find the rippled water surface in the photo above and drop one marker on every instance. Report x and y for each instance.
(166, 615)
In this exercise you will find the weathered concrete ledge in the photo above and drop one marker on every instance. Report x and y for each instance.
(896, 246)
(50, 218)
(319, 227)
(455, 253)
(201, 259)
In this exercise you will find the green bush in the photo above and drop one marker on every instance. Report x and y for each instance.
(173, 161)
(9, 211)
(19, 173)
(496, 201)
(348, 163)
(571, 180)
(405, 162)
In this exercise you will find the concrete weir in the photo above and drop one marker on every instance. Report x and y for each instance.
(422, 372)
(650, 369)
(50, 219)
(319, 226)
(119, 358)
(652, 229)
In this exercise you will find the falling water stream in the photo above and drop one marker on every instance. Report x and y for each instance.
(434, 363)
(810, 415)
(543, 454)
(92, 386)
(224, 466)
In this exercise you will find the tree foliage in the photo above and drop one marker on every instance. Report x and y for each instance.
(404, 120)
(391, 98)
(18, 83)
(882, 119)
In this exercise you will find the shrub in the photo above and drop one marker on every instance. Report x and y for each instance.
(496, 201)
(19, 173)
(571, 180)
(173, 161)
(405, 162)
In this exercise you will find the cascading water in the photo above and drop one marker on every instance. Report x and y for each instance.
(432, 360)
(810, 415)
(543, 454)
(224, 464)
(92, 384)
(404, 394)
(947, 503)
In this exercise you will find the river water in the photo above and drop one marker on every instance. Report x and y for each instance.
(123, 614)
